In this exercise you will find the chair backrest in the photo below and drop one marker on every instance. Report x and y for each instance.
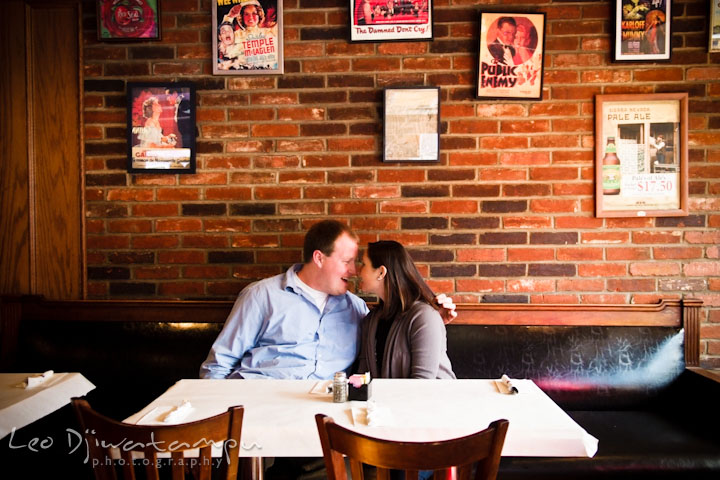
(480, 450)
(102, 434)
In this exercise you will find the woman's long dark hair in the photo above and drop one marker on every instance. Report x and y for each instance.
(403, 283)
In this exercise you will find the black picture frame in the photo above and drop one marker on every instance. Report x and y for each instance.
(161, 127)
(411, 124)
(124, 21)
(511, 68)
(642, 33)
(390, 21)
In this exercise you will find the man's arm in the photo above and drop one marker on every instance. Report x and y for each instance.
(240, 334)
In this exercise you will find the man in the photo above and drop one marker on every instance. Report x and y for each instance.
(502, 48)
(302, 324)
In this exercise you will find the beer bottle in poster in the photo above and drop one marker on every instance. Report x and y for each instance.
(611, 169)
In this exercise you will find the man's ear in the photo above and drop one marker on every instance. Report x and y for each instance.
(318, 258)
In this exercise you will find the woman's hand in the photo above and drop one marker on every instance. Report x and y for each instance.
(447, 308)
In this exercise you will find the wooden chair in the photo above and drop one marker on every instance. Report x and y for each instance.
(481, 449)
(101, 433)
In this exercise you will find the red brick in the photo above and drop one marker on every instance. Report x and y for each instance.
(530, 285)
(525, 158)
(580, 285)
(604, 298)
(407, 239)
(501, 143)
(352, 208)
(240, 241)
(226, 225)
(579, 254)
(661, 253)
(181, 288)
(277, 193)
(275, 130)
(154, 241)
(471, 158)
(204, 241)
(228, 193)
(204, 179)
(656, 237)
(654, 269)
(527, 222)
(304, 208)
(181, 256)
(524, 126)
(481, 255)
(156, 273)
(155, 210)
(178, 225)
(108, 241)
(604, 237)
(453, 206)
(712, 238)
(371, 191)
(530, 254)
(181, 194)
(702, 269)
(381, 224)
(553, 173)
(507, 174)
(403, 206)
(205, 272)
(129, 226)
(472, 126)
(578, 222)
(549, 205)
(479, 285)
(553, 298)
(602, 270)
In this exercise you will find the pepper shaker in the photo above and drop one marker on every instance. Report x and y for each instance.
(340, 388)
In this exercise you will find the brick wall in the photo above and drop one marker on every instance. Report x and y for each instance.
(506, 215)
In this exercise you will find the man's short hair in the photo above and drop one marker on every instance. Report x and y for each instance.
(322, 236)
(504, 20)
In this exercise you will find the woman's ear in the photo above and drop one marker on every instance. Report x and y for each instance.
(382, 272)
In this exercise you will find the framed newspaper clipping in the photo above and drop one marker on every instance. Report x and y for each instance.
(412, 124)
(641, 155)
(247, 37)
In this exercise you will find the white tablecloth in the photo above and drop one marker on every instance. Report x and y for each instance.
(279, 416)
(22, 406)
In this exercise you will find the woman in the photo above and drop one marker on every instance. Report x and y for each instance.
(404, 336)
(151, 134)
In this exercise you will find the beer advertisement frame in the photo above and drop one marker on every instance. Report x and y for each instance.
(641, 155)
(642, 31)
(511, 55)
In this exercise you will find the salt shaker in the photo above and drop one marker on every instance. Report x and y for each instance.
(340, 388)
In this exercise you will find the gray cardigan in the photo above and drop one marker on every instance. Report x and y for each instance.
(416, 345)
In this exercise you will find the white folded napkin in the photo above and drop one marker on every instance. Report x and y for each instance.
(377, 416)
(36, 380)
(323, 387)
(177, 413)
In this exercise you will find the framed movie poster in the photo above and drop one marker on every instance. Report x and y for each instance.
(714, 26)
(641, 155)
(247, 37)
(511, 54)
(642, 30)
(390, 20)
(412, 124)
(128, 20)
(161, 127)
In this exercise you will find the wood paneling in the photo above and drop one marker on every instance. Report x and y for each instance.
(41, 243)
(14, 174)
(55, 151)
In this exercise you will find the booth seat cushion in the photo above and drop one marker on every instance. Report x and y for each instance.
(580, 368)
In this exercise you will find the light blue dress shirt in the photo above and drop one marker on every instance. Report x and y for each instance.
(276, 331)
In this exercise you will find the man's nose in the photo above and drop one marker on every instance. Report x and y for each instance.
(353, 268)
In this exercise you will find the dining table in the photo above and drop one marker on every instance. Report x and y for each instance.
(21, 405)
(279, 416)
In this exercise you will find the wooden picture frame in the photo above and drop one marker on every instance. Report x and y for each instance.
(161, 127)
(511, 55)
(411, 124)
(642, 31)
(247, 37)
(128, 20)
(714, 27)
(641, 155)
(390, 20)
